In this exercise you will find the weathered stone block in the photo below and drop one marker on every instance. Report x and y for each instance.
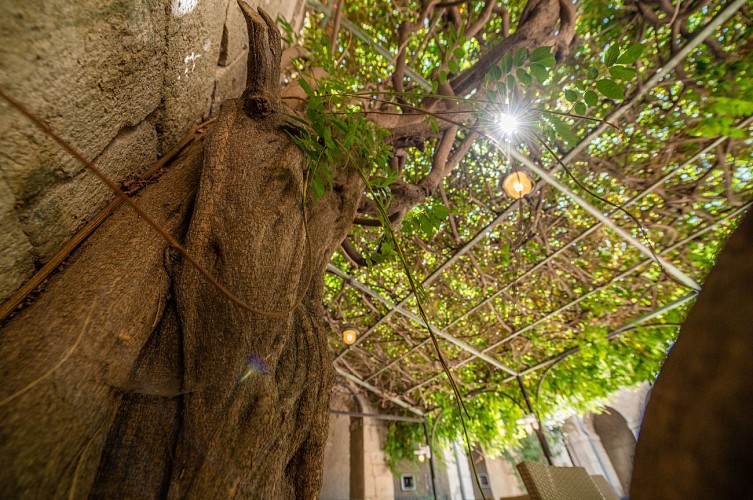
(229, 82)
(292, 10)
(65, 208)
(130, 76)
(16, 263)
(193, 50)
(87, 68)
(234, 35)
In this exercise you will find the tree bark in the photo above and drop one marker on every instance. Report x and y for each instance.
(134, 376)
(697, 432)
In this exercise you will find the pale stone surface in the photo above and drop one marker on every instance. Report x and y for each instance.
(502, 478)
(631, 403)
(234, 35)
(374, 479)
(229, 82)
(70, 204)
(587, 451)
(92, 70)
(292, 10)
(87, 68)
(193, 49)
(336, 483)
(16, 263)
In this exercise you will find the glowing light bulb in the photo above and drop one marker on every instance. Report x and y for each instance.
(517, 184)
(349, 336)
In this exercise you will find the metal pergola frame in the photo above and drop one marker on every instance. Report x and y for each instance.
(548, 258)
(547, 177)
(593, 291)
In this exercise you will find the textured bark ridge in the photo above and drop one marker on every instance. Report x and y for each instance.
(133, 376)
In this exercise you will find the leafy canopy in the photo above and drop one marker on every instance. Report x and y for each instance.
(422, 125)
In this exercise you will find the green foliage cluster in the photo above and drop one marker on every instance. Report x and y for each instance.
(570, 302)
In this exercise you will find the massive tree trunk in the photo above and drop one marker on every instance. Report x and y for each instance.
(134, 376)
(697, 433)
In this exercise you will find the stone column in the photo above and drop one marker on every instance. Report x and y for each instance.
(370, 476)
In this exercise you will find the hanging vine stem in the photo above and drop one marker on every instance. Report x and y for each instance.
(381, 199)
(158, 228)
(417, 292)
(644, 232)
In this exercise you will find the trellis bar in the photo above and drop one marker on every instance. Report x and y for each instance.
(436, 273)
(604, 219)
(378, 416)
(612, 335)
(622, 275)
(379, 392)
(439, 332)
(645, 88)
(671, 64)
(676, 59)
(581, 236)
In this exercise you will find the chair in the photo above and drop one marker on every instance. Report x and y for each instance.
(604, 487)
(545, 482)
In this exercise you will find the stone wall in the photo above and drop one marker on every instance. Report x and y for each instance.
(336, 480)
(123, 81)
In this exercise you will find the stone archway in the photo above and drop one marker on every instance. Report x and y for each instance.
(618, 441)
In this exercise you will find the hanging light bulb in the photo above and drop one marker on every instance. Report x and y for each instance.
(349, 335)
(517, 183)
(423, 453)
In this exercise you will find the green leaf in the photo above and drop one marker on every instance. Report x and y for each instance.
(540, 72)
(520, 56)
(459, 53)
(631, 54)
(731, 106)
(548, 61)
(305, 86)
(523, 76)
(718, 126)
(610, 89)
(439, 212)
(571, 95)
(507, 63)
(496, 72)
(591, 98)
(563, 130)
(622, 73)
(541, 53)
(580, 108)
(453, 66)
(611, 55)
